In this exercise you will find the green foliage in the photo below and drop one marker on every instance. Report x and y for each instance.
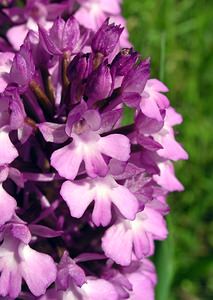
(178, 37)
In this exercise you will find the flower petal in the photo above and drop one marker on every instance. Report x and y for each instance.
(8, 151)
(38, 269)
(7, 204)
(125, 201)
(116, 146)
(77, 196)
(67, 161)
(115, 240)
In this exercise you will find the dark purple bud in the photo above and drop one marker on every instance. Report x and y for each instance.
(80, 67)
(124, 61)
(135, 80)
(65, 35)
(99, 83)
(106, 38)
(46, 42)
(23, 68)
(40, 56)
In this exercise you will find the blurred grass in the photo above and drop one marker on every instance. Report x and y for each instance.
(178, 37)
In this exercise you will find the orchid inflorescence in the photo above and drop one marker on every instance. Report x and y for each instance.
(82, 195)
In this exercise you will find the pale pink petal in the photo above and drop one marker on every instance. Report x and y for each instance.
(8, 151)
(143, 288)
(171, 148)
(91, 17)
(19, 31)
(167, 178)
(67, 161)
(10, 280)
(38, 269)
(116, 239)
(154, 223)
(24, 133)
(7, 206)
(112, 7)
(150, 108)
(77, 196)
(161, 100)
(102, 211)
(143, 243)
(4, 172)
(148, 269)
(95, 164)
(172, 117)
(116, 146)
(157, 85)
(125, 201)
(99, 289)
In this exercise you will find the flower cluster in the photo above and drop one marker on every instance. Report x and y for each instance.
(82, 197)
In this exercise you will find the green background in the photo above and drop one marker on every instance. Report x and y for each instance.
(178, 35)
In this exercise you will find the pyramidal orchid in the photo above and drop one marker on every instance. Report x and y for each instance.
(82, 197)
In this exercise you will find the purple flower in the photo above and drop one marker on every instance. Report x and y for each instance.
(80, 67)
(63, 36)
(94, 288)
(82, 197)
(104, 191)
(152, 100)
(87, 145)
(143, 281)
(18, 260)
(171, 148)
(135, 80)
(22, 69)
(106, 38)
(124, 61)
(99, 84)
(136, 236)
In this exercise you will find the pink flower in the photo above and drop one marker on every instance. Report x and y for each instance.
(103, 191)
(167, 178)
(143, 281)
(93, 289)
(93, 13)
(18, 259)
(166, 137)
(136, 237)
(152, 101)
(89, 147)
